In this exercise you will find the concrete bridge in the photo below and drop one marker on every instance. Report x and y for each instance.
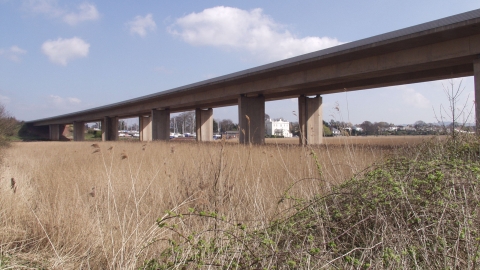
(440, 49)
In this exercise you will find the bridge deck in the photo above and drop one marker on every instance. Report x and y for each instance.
(439, 49)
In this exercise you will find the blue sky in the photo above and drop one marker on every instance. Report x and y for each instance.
(58, 57)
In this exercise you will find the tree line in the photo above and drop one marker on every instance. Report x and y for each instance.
(185, 123)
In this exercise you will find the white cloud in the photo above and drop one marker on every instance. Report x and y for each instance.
(61, 51)
(74, 100)
(415, 99)
(16, 49)
(4, 100)
(47, 7)
(13, 53)
(246, 30)
(140, 25)
(61, 102)
(87, 12)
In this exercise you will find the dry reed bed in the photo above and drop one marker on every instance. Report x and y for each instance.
(391, 140)
(82, 205)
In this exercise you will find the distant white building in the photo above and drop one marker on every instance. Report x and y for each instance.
(278, 128)
(406, 128)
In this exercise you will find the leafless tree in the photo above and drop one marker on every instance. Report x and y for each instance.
(456, 114)
(185, 122)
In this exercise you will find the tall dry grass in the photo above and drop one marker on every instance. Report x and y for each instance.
(81, 205)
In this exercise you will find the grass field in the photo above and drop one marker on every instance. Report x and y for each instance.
(342, 140)
(95, 205)
(359, 140)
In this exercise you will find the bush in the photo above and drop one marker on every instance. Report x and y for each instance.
(327, 132)
(417, 210)
(9, 126)
(95, 133)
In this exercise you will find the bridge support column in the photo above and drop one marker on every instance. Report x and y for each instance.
(204, 124)
(110, 128)
(78, 131)
(476, 78)
(145, 124)
(54, 132)
(160, 125)
(310, 120)
(57, 132)
(251, 119)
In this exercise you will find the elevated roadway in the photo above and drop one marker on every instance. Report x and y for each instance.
(440, 49)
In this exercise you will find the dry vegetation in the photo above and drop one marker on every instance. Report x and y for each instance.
(166, 205)
(362, 140)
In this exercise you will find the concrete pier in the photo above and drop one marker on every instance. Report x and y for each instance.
(54, 131)
(78, 131)
(145, 125)
(204, 124)
(160, 125)
(310, 120)
(110, 128)
(251, 119)
(476, 78)
(442, 49)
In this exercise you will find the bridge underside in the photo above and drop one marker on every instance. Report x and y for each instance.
(432, 53)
